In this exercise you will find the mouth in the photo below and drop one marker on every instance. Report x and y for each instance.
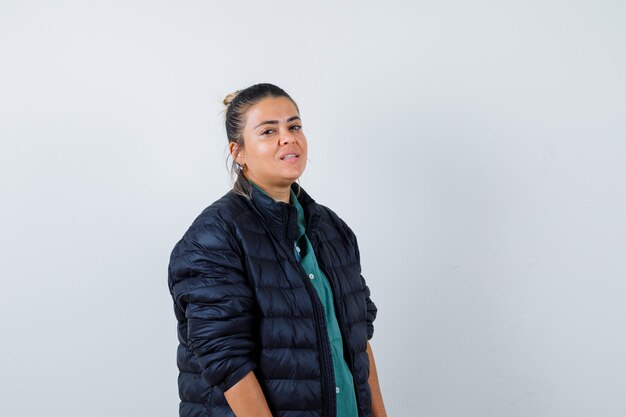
(291, 157)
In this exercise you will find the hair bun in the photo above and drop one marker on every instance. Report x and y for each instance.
(230, 97)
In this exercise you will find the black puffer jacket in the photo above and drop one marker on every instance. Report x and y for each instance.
(243, 302)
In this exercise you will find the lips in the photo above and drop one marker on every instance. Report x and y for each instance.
(289, 155)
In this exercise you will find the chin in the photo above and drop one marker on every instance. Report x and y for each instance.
(294, 175)
(291, 178)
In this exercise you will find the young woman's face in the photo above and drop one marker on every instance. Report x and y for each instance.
(275, 148)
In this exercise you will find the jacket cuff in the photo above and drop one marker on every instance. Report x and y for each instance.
(236, 376)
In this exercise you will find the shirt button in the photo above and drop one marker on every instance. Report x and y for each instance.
(297, 249)
(337, 390)
(311, 276)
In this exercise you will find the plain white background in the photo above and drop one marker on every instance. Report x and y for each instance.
(476, 148)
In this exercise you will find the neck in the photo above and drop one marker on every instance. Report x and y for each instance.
(277, 192)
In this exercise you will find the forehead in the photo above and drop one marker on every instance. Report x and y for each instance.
(271, 108)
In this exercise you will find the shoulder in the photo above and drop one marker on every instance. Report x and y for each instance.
(208, 249)
(213, 229)
(221, 213)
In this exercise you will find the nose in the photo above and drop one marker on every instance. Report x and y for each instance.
(287, 139)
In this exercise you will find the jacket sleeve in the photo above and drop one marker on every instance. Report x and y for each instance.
(213, 298)
(371, 307)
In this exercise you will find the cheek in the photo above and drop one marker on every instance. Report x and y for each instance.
(264, 154)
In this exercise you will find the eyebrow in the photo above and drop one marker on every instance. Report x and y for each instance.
(274, 122)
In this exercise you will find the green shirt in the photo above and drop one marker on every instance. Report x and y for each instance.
(344, 384)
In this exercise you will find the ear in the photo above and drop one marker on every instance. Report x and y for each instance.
(238, 155)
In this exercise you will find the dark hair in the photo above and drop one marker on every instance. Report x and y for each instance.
(237, 104)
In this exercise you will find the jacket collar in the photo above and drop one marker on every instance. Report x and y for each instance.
(280, 217)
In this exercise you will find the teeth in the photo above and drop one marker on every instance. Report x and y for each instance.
(291, 155)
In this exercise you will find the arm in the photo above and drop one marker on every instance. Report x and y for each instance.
(246, 398)
(215, 302)
(378, 407)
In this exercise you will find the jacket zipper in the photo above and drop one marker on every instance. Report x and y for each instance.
(328, 400)
(343, 330)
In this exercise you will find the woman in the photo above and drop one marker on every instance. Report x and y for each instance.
(273, 314)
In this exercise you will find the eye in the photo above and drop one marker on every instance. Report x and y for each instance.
(296, 127)
(268, 132)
